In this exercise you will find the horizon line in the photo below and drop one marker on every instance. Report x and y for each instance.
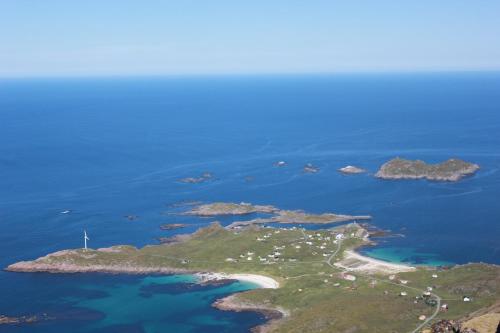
(251, 74)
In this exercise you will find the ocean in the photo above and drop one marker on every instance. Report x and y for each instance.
(104, 148)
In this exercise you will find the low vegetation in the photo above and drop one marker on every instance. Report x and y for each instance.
(315, 295)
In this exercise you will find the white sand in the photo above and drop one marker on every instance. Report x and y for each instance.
(353, 261)
(260, 280)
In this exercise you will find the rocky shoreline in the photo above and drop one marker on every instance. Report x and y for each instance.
(32, 267)
(28, 319)
(273, 315)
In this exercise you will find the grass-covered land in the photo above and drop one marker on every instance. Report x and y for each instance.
(313, 292)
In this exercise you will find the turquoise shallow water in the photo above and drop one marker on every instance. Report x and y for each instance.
(148, 302)
(105, 148)
(405, 255)
(97, 303)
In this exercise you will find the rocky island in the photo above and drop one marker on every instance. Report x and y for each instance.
(172, 226)
(300, 217)
(229, 208)
(275, 215)
(450, 170)
(311, 281)
(350, 169)
(206, 176)
(310, 168)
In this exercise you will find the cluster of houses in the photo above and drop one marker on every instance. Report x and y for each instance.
(317, 241)
(426, 296)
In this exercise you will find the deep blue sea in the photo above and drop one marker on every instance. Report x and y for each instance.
(105, 148)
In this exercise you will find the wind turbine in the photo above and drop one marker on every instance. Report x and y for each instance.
(85, 238)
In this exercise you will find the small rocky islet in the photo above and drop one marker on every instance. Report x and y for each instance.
(172, 226)
(204, 177)
(351, 169)
(310, 168)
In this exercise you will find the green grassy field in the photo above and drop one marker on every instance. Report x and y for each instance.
(313, 292)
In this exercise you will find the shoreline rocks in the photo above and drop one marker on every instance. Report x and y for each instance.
(272, 315)
(6, 320)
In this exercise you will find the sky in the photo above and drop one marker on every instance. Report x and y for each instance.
(177, 37)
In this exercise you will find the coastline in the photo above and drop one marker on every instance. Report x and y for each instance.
(228, 303)
(231, 303)
(262, 281)
(273, 315)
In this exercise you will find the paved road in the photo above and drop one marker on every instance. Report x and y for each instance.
(428, 320)
(329, 260)
(424, 323)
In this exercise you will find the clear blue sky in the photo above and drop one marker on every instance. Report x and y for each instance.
(123, 37)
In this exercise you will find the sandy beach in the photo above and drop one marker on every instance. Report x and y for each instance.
(260, 280)
(353, 261)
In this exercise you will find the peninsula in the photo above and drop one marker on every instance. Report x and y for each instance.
(450, 170)
(311, 281)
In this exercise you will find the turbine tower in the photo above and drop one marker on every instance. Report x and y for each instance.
(85, 238)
